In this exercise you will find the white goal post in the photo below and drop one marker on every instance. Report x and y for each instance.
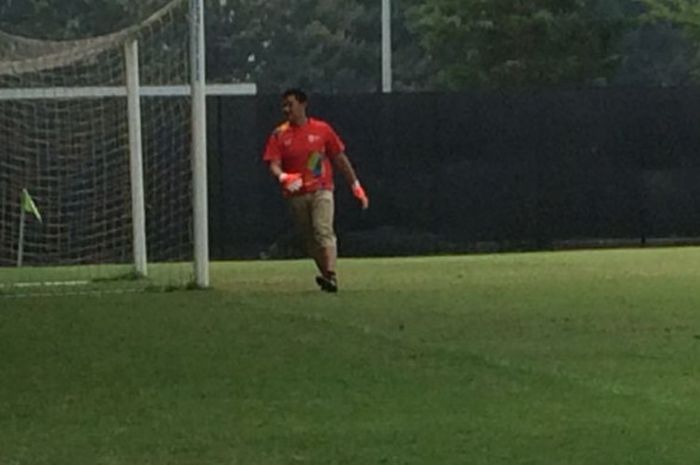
(32, 91)
(199, 143)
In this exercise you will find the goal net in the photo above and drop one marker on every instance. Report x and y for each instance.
(96, 180)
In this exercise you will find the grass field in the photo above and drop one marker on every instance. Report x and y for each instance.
(589, 357)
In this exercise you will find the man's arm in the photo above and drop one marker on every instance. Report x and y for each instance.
(342, 162)
(275, 167)
(291, 182)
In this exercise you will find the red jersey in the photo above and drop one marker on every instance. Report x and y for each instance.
(307, 149)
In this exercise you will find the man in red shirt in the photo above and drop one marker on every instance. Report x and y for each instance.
(300, 154)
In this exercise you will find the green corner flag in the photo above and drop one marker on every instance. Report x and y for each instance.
(29, 206)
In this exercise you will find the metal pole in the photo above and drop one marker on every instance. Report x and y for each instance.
(199, 145)
(386, 46)
(138, 210)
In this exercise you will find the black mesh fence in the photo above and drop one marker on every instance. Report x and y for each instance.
(451, 173)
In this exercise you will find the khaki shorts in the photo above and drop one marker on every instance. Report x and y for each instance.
(313, 214)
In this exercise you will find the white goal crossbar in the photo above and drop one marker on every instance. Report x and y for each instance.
(119, 91)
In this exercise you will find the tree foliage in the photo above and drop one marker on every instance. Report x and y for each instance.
(335, 45)
(69, 19)
(324, 45)
(683, 14)
(320, 45)
(514, 43)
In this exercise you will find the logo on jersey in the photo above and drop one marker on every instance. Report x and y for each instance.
(313, 138)
(315, 164)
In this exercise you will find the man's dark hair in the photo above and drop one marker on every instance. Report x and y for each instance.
(298, 94)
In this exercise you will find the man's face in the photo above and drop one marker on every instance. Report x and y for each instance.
(293, 110)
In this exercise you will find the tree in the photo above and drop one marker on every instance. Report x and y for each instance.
(682, 14)
(324, 46)
(70, 19)
(517, 43)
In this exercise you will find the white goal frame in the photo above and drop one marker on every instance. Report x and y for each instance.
(198, 90)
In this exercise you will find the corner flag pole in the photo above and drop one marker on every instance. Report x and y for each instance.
(26, 205)
(20, 243)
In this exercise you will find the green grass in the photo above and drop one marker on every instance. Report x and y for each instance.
(563, 358)
(62, 280)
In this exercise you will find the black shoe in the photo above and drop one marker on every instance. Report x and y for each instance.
(327, 284)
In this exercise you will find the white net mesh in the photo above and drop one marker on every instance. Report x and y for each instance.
(64, 136)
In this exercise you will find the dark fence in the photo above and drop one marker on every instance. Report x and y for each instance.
(463, 172)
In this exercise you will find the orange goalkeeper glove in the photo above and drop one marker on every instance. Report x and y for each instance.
(360, 194)
(291, 182)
